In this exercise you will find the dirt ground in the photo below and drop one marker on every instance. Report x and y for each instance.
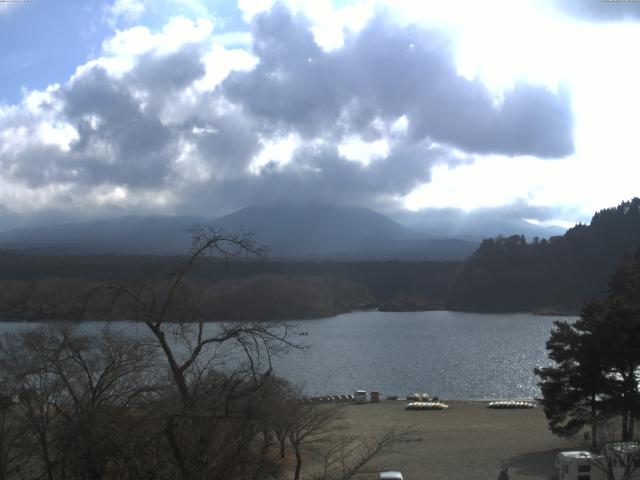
(468, 441)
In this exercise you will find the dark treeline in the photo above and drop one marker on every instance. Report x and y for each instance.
(52, 287)
(562, 273)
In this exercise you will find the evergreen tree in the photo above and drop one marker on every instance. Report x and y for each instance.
(572, 390)
(597, 361)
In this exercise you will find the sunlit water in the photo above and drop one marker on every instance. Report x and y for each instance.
(452, 355)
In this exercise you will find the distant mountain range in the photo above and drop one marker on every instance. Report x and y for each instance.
(457, 224)
(298, 232)
(131, 235)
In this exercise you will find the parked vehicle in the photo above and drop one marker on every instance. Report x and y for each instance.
(579, 465)
(360, 396)
(621, 460)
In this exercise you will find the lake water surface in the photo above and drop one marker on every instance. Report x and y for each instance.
(452, 355)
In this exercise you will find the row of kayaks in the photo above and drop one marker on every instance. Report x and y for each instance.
(426, 406)
(328, 399)
(423, 402)
(511, 404)
(502, 404)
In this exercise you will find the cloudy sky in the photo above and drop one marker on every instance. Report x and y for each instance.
(523, 109)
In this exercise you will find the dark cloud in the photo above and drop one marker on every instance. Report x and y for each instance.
(119, 142)
(601, 10)
(39, 166)
(318, 174)
(386, 71)
(227, 141)
(164, 74)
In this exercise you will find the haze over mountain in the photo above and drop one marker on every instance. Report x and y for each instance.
(475, 226)
(130, 234)
(313, 231)
(340, 233)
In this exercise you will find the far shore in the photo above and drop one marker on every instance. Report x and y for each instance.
(537, 312)
(468, 441)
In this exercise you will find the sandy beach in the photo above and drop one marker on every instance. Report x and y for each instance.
(468, 441)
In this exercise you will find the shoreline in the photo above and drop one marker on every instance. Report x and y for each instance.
(538, 313)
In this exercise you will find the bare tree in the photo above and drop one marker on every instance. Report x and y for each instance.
(617, 459)
(347, 456)
(35, 391)
(210, 412)
(281, 405)
(10, 435)
(71, 393)
(315, 432)
(309, 425)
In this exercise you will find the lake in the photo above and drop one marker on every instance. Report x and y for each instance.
(451, 355)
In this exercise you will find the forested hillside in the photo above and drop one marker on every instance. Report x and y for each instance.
(511, 274)
(52, 287)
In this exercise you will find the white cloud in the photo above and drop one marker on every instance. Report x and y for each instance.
(127, 10)
(488, 182)
(21, 199)
(355, 149)
(250, 8)
(277, 150)
(233, 39)
(38, 119)
(189, 166)
(219, 62)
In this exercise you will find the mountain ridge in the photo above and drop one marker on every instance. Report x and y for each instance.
(320, 232)
(311, 232)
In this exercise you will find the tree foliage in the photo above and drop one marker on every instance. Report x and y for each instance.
(597, 361)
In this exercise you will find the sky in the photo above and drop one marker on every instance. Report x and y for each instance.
(524, 109)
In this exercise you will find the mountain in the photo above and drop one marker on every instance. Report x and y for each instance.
(336, 233)
(318, 232)
(512, 274)
(315, 229)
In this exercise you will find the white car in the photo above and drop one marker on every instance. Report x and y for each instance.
(390, 476)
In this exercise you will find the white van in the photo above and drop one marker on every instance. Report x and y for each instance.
(360, 396)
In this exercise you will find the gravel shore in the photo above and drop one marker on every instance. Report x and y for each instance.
(468, 441)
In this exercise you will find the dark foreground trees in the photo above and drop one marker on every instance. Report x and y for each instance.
(181, 400)
(67, 395)
(597, 362)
